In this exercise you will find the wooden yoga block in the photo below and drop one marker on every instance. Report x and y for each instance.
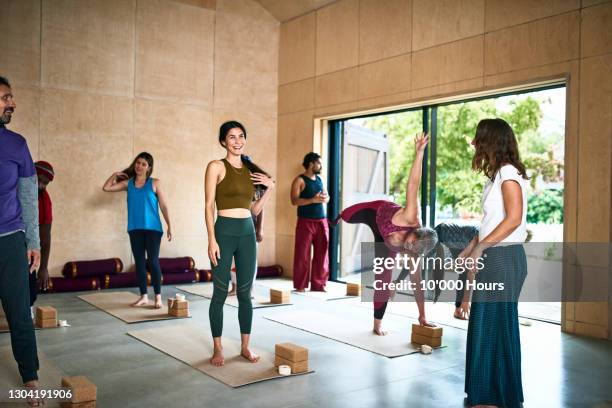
(83, 390)
(291, 352)
(353, 289)
(177, 304)
(279, 296)
(179, 312)
(430, 341)
(45, 323)
(296, 366)
(433, 332)
(87, 404)
(46, 312)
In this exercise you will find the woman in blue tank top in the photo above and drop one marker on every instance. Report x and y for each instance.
(144, 199)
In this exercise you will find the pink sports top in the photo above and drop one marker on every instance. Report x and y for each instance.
(384, 215)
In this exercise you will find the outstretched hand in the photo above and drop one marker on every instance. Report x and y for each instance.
(420, 142)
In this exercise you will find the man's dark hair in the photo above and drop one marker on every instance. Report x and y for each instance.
(309, 158)
(4, 81)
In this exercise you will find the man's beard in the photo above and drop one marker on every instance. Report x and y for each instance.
(5, 119)
(318, 171)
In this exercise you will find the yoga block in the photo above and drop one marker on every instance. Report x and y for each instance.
(353, 289)
(179, 312)
(87, 404)
(296, 366)
(177, 304)
(291, 352)
(430, 341)
(433, 332)
(83, 390)
(45, 323)
(46, 312)
(279, 296)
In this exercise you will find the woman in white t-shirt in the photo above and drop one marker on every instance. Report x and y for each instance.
(493, 358)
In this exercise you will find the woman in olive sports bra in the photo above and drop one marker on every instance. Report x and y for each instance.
(230, 185)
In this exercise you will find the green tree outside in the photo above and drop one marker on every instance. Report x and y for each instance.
(458, 187)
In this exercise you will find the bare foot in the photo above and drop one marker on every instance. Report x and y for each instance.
(217, 359)
(158, 302)
(318, 290)
(232, 291)
(246, 353)
(33, 402)
(378, 329)
(142, 301)
(300, 290)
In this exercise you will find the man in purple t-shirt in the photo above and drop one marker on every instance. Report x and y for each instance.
(19, 239)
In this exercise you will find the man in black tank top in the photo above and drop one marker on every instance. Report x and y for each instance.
(310, 197)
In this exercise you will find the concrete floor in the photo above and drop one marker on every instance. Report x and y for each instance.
(559, 370)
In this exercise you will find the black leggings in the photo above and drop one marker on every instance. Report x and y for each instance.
(149, 241)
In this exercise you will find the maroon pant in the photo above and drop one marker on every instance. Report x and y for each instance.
(311, 232)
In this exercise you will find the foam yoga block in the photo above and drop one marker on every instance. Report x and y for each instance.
(82, 389)
(427, 331)
(99, 267)
(291, 352)
(273, 271)
(46, 323)
(430, 341)
(46, 312)
(45, 317)
(431, 336)
(58, 285)
(178, 308)
(296, 366)
(353, 289)
(279, 296)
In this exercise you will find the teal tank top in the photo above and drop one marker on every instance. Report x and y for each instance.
(143, 207)
(311, 189)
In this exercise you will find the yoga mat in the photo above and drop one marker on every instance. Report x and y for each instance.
(335, 290)
(49, 377)
(440, 313)
(206, 290)
(192, 345)
(354, 332)
(118, 305)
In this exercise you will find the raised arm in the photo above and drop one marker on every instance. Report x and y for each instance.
(111, 185)
(163, 206)
(410, 213)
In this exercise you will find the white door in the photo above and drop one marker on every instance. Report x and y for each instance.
(365, 177)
